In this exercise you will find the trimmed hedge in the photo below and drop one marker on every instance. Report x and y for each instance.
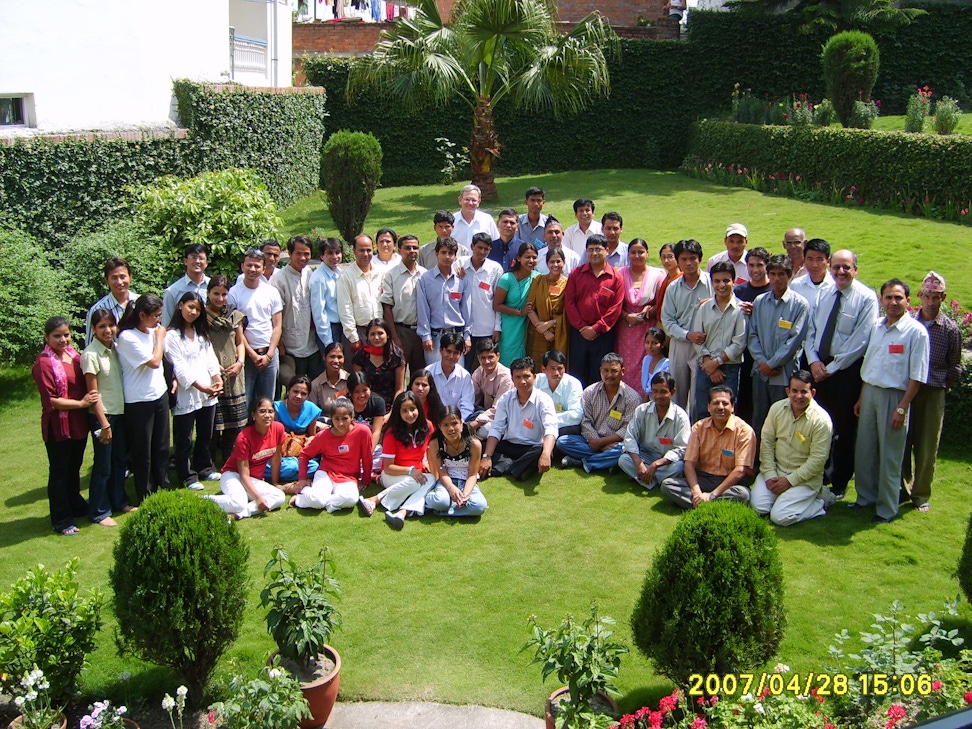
(277, 134)
(885, 167)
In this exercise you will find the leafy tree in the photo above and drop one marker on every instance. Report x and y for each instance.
(834, 15)
(494, 49)
(350, 172)
(850, 68)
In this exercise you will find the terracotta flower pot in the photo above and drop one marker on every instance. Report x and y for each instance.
(17, 723)
(320, 694)
(551, 720)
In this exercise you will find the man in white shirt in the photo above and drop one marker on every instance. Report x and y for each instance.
(264, 313)
(524, 430)
(793, 242)
(736, 240)
(576, 235)
(469, 219)
(399, 302)
(815, 279)
(612, 225)
(452, 381)
(358, 292)
(299, 352)
(565, 390)
(483, 274)
(553, 237)
(195, 280)
(118, 276)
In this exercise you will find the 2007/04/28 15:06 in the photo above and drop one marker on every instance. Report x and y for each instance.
(819, 684)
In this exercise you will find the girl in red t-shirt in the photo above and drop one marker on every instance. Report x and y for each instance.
(345, 450)
(403, 475)
(257, 444)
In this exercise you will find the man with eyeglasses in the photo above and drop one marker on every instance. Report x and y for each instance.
(840, 326)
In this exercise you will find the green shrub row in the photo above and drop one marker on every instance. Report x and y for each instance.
(883, 169)
(278, 135)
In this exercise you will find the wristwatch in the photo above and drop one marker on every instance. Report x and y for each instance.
(901, 411)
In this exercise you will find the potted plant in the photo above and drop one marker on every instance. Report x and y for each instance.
(301, 619)
(584, 657)
(103, 716)
(34, 702)
(273, 700)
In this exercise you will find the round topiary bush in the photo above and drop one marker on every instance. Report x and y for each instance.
(180, 583)
(712, 602)
(350, 173)
(965, 564)
(850, 67)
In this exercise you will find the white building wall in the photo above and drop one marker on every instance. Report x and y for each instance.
(268, 21)
(94, 64)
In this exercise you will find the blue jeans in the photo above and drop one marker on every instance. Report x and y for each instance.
(438, 500)
(703, 383)
(261, 383)
(576, 446)
(626, 463)
(106, 489)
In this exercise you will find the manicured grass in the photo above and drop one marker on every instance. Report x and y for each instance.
(438, 611)
(896, 124)
(667, 206)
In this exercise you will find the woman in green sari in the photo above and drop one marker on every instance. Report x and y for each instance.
(510, 300)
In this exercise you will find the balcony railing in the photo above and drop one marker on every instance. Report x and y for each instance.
(249, 56)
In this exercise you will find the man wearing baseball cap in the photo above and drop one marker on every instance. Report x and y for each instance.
(928, 407)
(737, 238)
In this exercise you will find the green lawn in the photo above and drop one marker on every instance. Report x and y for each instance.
(438, 611)
(896, 124)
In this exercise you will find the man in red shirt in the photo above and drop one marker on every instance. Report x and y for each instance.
(593, 298)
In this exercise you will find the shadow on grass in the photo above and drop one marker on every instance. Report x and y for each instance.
(22, 530)
(27, 497)
(644, 696)
(16, 384)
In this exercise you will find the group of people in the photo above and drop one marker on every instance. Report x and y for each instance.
(525, 343)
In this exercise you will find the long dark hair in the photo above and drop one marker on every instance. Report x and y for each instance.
(392, 354)
(466, 435)
(144, 304)
(403, 432)
(433, 399)
(250, 419)
(524, 247)
(200, 326)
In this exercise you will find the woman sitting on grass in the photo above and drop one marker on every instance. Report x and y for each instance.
(64, 423)
(381, 359)
(368, 409)
(260, 442)
(345, 453)
(454, 461)
(403, 474)
(423, 385)
(299, 418)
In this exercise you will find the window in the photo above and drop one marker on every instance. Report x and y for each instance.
(17, 110)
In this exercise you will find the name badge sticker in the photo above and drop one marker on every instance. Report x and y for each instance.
(616, 414)
(560, 408)
(484, 285)
(455, 295)
(664, 441)
(739, 280)
(800, 436)
(784, 324)
(527, 423)
(895, 349)
(728, 453)
(343, 448)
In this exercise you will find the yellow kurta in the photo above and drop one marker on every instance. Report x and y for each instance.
(548, 302)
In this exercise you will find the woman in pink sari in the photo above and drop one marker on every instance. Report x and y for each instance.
(641, 283)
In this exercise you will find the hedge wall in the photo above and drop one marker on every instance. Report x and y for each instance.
(884, 166)
(639, 125)
(277, 134)
(54, 189)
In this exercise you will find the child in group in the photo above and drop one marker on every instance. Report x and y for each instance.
(300, 420)
(199, 383)
(381, 359)
(655, 360)
(140, 346)
(368, 409)
(244, 494)
(226, 336)
(346, 470)
(64, 423)
(403, 450)
(423, 385)
(102, 374)
(454, 461)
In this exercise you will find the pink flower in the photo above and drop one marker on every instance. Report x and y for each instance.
(848, 197)
(699, 723)
(936, 685)
(798, 178)
(714, 700)
(212, 717)
(853, 188)
(897, 712)
(968, 697)
(829, 726)
(700, 701)
(656, 719)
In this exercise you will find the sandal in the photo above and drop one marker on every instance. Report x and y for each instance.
(366, 507)
(71, 531)
(923, 508)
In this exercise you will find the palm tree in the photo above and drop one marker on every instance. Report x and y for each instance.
(493, 49)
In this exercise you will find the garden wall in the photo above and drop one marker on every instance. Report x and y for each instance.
(54, 188)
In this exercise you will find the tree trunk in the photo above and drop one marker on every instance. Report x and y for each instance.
(484, 148)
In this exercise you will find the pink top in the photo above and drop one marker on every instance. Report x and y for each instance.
(638, 297)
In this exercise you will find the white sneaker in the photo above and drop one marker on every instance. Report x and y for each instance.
(214, 476)
(194, 486)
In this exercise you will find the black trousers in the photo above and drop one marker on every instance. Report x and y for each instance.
(64, 458)
(515, 460)
(201, 463)
(585, 356)
(148, 444)
(837, 395)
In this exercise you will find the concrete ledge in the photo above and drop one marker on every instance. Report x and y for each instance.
(415, 715)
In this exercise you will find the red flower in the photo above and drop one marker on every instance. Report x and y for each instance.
(764, 693)
(212, 717)
(968, 697)
(936, 685)
(853, 188)
(700, 701)
(656, 719)
(699, 723)
(714, 700)
(798, 178)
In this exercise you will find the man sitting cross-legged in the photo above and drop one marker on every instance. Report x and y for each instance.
(718, 459)
(655, 442)
(523, 433)
(609, 406)
(794, 449)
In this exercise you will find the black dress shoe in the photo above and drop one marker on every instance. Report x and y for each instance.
(855, 505)
(880, 520)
